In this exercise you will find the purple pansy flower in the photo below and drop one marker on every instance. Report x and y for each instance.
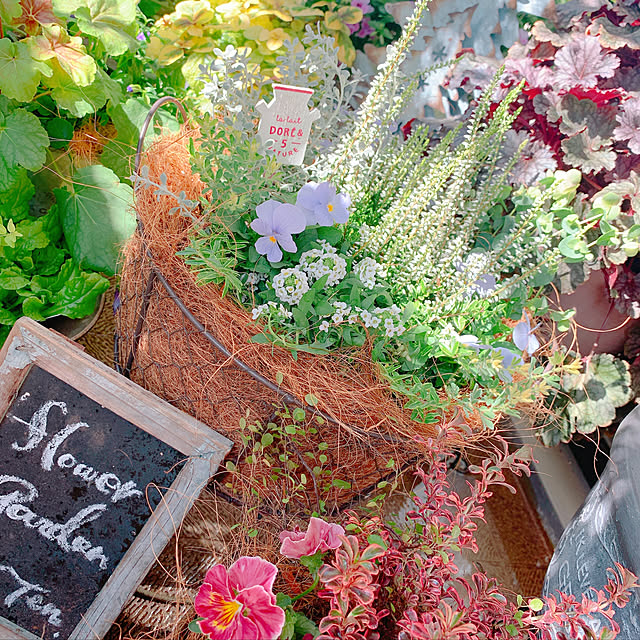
(275, 223)
(524, 338)
(322, 205)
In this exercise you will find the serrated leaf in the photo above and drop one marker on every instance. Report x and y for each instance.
(589, 154)
(80, 101)
(614, 37)
(578, 115)
(69, 52)
(111, 21)
(629, 124)
(23, 142)
(35, 15)
(20, 74)
(96, 217)
(9, 10)
(581, 62)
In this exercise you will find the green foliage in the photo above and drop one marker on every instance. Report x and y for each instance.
(587, 399)
(97, 217)
(38, 278)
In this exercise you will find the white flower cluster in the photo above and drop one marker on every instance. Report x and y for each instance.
(325, 261)
(272, 309)
(388, 317)
(290, 285)
(366, 270)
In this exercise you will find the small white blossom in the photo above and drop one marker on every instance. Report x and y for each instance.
(324, 326)
(321, 262)
(366, 270)
(290, 285)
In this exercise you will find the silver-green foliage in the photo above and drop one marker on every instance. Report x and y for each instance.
(587, 400)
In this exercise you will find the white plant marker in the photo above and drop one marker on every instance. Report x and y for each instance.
(286, 122)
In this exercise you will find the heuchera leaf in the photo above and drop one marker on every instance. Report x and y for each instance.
(626, 293)
(20, 74)
(97, 217)
(9, 10)
(588, 154)
(613, 37)
(629, 124)
(69, 52)
(111, 21)
(80, 101)
(35, 15)
(23, 142)
(580, 115)
(581, 62)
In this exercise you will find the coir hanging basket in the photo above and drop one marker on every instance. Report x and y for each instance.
(190, 345)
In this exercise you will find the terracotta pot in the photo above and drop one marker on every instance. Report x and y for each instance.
(602, 328)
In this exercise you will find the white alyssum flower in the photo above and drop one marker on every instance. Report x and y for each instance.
(290, 285)
(271, 309)
(366, 270)
(325, 261)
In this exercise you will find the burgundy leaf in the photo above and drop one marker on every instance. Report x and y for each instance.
(613, 37)
(582, 62)
(588, 154)
(629, 124)
(626, 293)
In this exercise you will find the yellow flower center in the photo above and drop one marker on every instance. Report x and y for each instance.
(226, 610)
(272, 238)
(330, 208)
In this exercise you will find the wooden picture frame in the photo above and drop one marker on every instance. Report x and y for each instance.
(29, 344)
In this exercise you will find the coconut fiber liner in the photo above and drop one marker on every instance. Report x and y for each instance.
(190, 345)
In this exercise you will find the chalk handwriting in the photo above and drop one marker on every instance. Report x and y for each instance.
(106, 483)
(34, 601)
(12, 505)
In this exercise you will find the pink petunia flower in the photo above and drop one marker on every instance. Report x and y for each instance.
(238, 603)
(319, 536)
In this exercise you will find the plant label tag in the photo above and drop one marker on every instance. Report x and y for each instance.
(285, 122)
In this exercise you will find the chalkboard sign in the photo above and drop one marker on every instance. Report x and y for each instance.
(95, 476)
(604, 531)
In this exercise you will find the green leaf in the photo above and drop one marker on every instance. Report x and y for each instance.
(20, 74)
(535, 604)
(23, 142)
(194, 626)
(12, 279)
(10, 9)
(341, 484)
(303, 626)
(60, 132)
(289, 627)
(313, 562)
(111, 21)
(96, 217)
(311, 400)
(14, 200)
(283, 600)
(80, 101)
(76, 299)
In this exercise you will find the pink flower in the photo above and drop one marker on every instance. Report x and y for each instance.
(239, 604)
(320, 536)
